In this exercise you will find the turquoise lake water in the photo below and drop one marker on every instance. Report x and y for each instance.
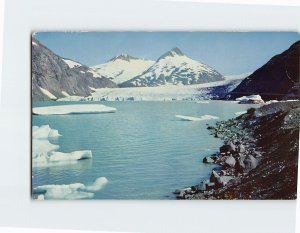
(143, 150)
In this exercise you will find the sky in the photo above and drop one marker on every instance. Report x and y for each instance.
(227, 52)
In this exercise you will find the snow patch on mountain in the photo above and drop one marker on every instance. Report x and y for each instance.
(175, 68)
(48, 93)
(122, 68)
(71, 63)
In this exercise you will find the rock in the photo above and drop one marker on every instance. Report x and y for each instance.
(208, 159)
(202, 186)
(250, 162)
(214, 177)
(210, 185)
(230, 161)
(229, 147)
(223, 180)
(240, 166)
(177, 191)
(241, 148)
(223, 173)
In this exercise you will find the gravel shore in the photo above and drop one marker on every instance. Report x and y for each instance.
(259, 157)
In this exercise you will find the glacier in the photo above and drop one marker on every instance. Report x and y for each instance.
(68, 191)
(73, 109)
(166, 92)
(45, 154)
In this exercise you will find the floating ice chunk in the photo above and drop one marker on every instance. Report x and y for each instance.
(56, 156)
(98, 184)
(44, 153)
(251, 99)
(73, 109)
(202, 118)
(40, 146)
(40, 197)
(44, 132)
(271, 101)
(69, 191)
(240, 113)
(202, 102)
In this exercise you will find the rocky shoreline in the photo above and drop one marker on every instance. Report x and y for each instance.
(259, 158)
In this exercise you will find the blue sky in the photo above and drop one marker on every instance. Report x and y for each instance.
(227, 52)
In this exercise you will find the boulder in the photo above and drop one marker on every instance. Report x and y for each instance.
(224, 180)
(229, 147)
(241, 148)
(214, 177)
(240, 166)
(208, 159)
(250, 162)
(230, 161)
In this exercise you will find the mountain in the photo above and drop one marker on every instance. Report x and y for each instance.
(123, 67)
(55, 77)
(174, 68)
(277, 79)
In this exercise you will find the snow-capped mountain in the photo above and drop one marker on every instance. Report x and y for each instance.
(175, 68)
(123, 68)
(54, 77)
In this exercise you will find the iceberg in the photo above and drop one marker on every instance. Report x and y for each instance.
(202, 118)
(45, 154)
(68, 191)
(251, 99)
(44, 132)
(64, 157)
(240, 113)
(73, 109)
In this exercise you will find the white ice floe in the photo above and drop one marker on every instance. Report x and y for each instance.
(56, 156)
(45, 154)
(202, 118)
(44, 132)
(240, 113)
(69, 191)
(255, 99)
(73, 109)
(48, 93)
(202, 102)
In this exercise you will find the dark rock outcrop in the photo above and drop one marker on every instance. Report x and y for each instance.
(277, 79)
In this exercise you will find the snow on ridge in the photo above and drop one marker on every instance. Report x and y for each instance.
(120, 70)
(71, 63)
(65, 93)
(48, 93)
(34, 43)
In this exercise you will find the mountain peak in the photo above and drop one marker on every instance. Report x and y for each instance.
(172, 53)
(123, 56)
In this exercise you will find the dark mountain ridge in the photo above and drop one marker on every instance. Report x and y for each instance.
(52, 73)
(277, 79)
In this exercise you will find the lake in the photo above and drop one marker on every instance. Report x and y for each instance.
(143, 150)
